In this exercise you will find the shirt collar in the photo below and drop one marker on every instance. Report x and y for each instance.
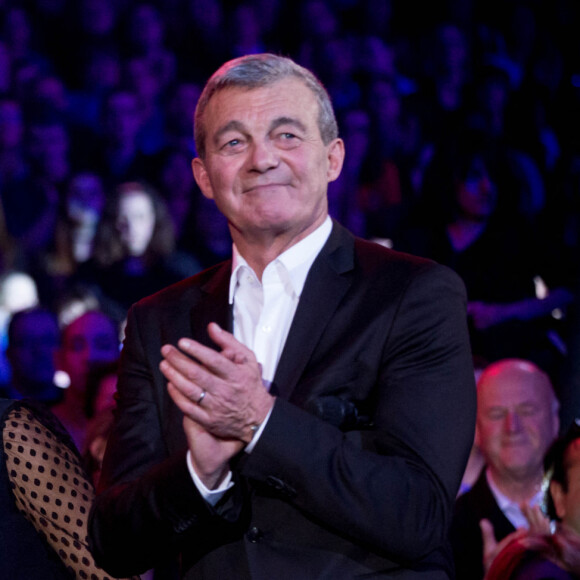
(297, 259)
(505, 502)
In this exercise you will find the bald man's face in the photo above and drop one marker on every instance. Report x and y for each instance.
(516, 422)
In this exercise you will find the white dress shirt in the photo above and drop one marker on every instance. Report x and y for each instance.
(511, 509)
(263, 312)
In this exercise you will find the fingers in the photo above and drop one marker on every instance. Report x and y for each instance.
(186, 404)
(538, 521)
(185, 374)
(222, 391)
(488, 536)
(231, 347)
(491, 548)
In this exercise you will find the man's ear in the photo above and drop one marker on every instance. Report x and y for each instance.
(335, 159)
(201, 177)
(557, 493)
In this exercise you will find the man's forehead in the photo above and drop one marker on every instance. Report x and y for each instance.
(290, 92)
(511, 393)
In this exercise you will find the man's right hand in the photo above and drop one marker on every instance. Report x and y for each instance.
(539, 524)
(210, 455)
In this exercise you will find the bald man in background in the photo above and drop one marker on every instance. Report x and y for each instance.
(517, 420)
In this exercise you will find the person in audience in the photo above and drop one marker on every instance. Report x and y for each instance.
(24, 553)
(100, 405)
(556, 554)
(18, 291)
(134, 253)
(33, 341)
(517, 420)
(115, 155)
(90, 340)
(82, 206)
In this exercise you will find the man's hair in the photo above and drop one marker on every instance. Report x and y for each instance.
(556, 464)
(260, 70)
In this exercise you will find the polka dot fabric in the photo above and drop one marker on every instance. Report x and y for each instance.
(50, 486)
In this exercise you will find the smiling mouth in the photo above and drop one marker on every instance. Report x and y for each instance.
(263, 187)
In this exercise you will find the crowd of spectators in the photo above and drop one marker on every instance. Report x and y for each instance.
(460, 118)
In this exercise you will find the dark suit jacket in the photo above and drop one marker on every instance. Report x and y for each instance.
(356, 472)
(466, 540)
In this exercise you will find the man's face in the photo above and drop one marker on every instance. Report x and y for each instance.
(567, 503)
(516, 422)
(91, 339)
(266, 166)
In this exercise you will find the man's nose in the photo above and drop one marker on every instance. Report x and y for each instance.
(513, 423)
(263, 156)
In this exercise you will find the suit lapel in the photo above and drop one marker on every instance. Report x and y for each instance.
(214, 306)
(326, 284)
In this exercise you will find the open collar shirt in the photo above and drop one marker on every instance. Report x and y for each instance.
(264, 310)
(511, 509)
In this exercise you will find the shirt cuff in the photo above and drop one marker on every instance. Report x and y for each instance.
(250, 446)
(211, 496)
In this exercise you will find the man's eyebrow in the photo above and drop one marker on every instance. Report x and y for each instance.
(287, 121)
(230, 126)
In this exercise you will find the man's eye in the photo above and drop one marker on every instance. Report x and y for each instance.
(286, 135)
(232, 143)
(496, 414)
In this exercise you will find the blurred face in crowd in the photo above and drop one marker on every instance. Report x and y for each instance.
(122, 118)
(567, 501)
(89, 340)
(136, 221)
(32, 349)
(476, 193)
(85, 198)
(266, 166)
(517, 419)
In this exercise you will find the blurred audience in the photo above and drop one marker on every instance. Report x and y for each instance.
(515, 280)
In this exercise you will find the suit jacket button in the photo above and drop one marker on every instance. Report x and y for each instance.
(254, 535)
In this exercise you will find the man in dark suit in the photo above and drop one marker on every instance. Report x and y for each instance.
(306, 409)
(517, 420)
